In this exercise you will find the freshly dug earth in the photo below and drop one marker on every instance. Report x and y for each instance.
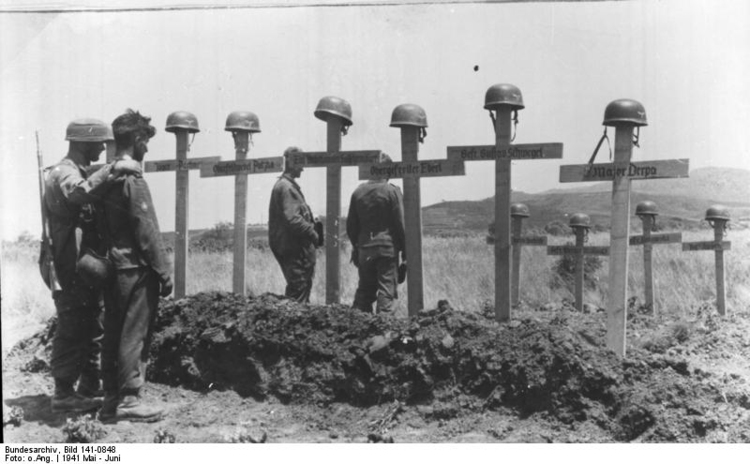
(268, 367)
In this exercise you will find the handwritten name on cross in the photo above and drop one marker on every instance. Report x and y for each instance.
(337, 114)
(412, 121)
(580, 224)
(519, 212)
(625, 115)
(647, 211)
(504, 99)
(241, 124)
(718, 217)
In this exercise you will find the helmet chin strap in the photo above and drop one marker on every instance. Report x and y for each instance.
(422, 134)
(515, 123)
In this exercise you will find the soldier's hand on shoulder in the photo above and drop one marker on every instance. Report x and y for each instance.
(166, 287)
(127, 167)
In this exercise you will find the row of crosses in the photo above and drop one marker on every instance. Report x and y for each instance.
(503, 101)
(717, 216)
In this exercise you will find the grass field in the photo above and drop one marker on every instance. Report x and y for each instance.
(459, 270)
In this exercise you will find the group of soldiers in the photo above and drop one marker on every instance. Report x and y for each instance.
(107, 268)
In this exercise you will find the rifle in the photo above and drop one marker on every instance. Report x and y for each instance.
(46, 265)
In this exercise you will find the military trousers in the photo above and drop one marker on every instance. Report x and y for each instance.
(77, 342)
(298, 269)
(131, 303)
(378, 281)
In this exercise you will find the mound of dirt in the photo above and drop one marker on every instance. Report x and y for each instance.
(549, 364)
(453, 361)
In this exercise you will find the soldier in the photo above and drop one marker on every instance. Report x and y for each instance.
(375, 226)
(68, 196)
(292, 232)
(141, 275)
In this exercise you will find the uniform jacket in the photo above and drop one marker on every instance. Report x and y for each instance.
(376, 217)
(290, 221)
(68, 196)
(132, 229)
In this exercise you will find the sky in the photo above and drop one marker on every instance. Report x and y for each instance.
(686, 61)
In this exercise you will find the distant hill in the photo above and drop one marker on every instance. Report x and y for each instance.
(682, 203)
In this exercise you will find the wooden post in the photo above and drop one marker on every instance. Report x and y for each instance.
(647, 212)
(411, 119)
(580, 238)
(504, 99)
(719, 256)
(502, 217)
(412, 222)
(337, 114)
(617, 305)
(517, 224)
(241, 124)
(333, 214)
(648, 286)
(182, 124)
(624, 115)
(717, 216)
(181, 217)
(578, 251)
(241, 145)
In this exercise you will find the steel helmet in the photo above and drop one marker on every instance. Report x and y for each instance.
(625, 111)
(519, 210)
(646, 208)
(182, 120)
(242, 121)
(580, 220)
(88, 130)
(503, 94)
(408, 114)
(717, 213)
(334, 106)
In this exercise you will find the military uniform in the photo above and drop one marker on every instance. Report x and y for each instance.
(375, 226)
(69, 193)
(292, 237)
(136, 251)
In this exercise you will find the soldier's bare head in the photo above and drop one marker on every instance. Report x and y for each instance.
(132, 132)
(290, 168)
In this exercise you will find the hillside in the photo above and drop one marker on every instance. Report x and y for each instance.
(682, 203)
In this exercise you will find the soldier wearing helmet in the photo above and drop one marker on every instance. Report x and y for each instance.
(292, 231)
(141, 275)
(70, 201)
(375, 226)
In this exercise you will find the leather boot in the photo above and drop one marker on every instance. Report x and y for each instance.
(66, 399)
(131, 408)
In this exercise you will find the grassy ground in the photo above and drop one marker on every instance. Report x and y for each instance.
(457, 269)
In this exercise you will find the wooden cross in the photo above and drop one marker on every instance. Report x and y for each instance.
(504, 99)
(411, 170)
(579, 224)
(336, 113)
(181, 123)
(240, 168)
(647, 212)
(718, 217)
(625, 115)
(518, 213)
